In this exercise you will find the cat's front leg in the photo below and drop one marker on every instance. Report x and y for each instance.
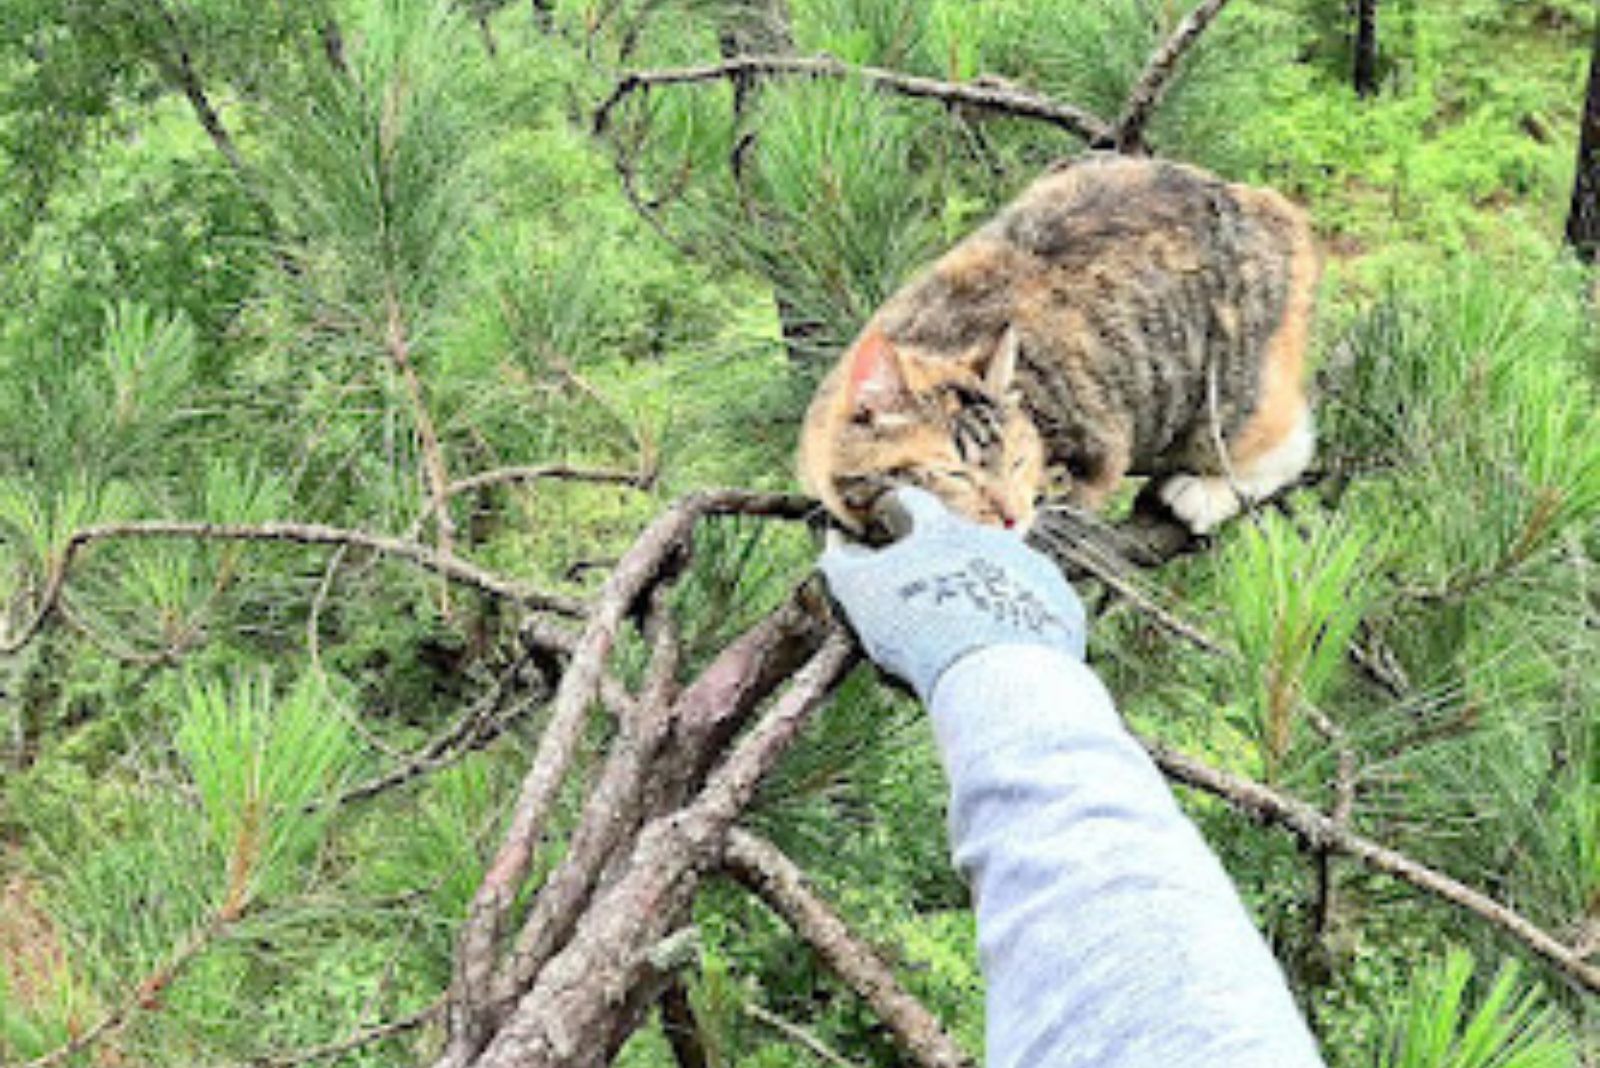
(1203, 502)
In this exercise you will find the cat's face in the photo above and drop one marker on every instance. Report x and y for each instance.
(953, 426)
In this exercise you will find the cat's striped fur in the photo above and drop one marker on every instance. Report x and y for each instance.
(1120, 316)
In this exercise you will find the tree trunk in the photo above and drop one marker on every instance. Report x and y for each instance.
(1366, 50)
(1583, 220)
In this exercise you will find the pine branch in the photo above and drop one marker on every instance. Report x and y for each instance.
(362, 1038)
(146, 995)
(1002, 99)
(566, 1019)
(449, 567)
(1322, 832)
(397, 346)
(1157, 77)
(653, 557)
(778, 881)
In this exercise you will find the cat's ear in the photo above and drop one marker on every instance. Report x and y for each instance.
(998, 367)
(877, 381)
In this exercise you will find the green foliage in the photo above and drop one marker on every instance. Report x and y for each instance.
(1293, 607)
(1511, 1026)
(191, 342)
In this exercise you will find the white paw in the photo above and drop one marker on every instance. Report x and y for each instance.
(1201, 502)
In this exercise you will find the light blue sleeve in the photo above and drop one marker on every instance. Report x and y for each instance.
(1110, 935)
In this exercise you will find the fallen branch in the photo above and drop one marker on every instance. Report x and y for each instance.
(795, 1033)
(1002, 99)
(551, 472)
(446, 566)
(763, 868)
(1320, 831)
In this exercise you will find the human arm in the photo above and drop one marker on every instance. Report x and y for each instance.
(1110, 935)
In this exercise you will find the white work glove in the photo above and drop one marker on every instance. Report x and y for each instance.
(949, 586)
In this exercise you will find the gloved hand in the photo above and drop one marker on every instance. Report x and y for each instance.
(947, 587)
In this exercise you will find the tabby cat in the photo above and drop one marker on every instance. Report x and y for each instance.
(1122, 316)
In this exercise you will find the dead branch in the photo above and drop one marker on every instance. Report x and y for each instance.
(446, 566)
(1157, 77)
(552, 472)
(569, 1019)
(1002, 99)
(1322, 832)
(776, 879)
(795, 1033)
(646, 564)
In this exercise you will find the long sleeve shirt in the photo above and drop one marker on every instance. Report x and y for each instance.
(1109, 933)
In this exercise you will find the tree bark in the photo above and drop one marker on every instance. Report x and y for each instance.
(1583, 220)
(1366, 48)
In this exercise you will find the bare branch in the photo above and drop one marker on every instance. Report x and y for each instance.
(1002, 99)
(795, 1033)
(1320, 831)
(779, 882)
(643, 566)
(551, 472)
(446, 566)
(564, 1021)
(1157, 77)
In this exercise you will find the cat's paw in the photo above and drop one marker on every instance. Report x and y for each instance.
(1203, 503)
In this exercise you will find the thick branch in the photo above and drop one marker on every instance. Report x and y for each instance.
(1322, 832)
(762, 867)
(1001, 99)
(645, 564)
(563, 1021)
(450, 567)
(1157, 76)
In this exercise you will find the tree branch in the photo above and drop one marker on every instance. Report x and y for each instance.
(1002, 99)
(1322, 832)
(398, 347)
(1157, 78)
(446, 566)
(366, 1036)
(778, 881)
(650, 559)
(564, 1021)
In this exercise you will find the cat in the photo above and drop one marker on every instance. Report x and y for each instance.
(1122, 316)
